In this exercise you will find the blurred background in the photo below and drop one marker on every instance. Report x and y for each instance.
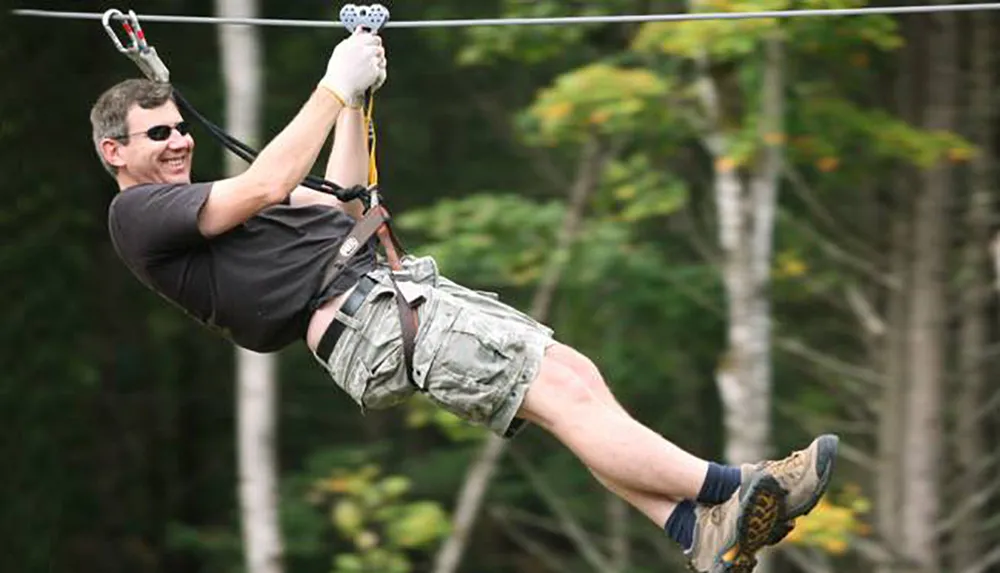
(760, 230)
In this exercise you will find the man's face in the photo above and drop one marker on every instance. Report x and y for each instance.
(146, 158)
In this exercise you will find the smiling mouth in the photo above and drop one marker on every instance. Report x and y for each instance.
(176, 162)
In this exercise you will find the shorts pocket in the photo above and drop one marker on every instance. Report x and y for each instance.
(470, 371)
(386, 385)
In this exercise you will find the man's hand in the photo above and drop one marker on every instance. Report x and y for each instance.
(357, 63)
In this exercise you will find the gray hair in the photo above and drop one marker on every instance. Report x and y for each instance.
(109, 116)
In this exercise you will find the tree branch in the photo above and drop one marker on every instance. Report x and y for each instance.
(809, 198)
(838, 253)
(865, 311)
(806, 560)
(987, 561)
(798, 348)
(571, 527)
(535, 549)
(497, 117)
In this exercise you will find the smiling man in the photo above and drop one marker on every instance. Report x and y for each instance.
(248, 255)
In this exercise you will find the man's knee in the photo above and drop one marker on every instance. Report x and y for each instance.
(557, 392)
(582, 366)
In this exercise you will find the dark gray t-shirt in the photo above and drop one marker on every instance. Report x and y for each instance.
(258, 282)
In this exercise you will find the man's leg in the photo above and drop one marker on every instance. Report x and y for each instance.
(738, 512)
(606, 439)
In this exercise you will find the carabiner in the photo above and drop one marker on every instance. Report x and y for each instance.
(139, 50)
(106, 21)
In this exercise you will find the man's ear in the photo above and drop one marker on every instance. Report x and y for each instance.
(111, 152)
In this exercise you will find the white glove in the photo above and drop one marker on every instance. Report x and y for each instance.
(382, 74)
(356, 64)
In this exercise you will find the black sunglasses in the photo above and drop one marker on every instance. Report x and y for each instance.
(161, 132)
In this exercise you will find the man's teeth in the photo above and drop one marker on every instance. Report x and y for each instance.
(176, 162)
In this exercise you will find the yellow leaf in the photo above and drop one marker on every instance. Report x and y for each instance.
(725, 164)
(557, 110)
(793, 268)
(626, 192)
(836, 546)
(774, 138)
(860, 60)
(599, 116)
(335, 485)
(959, 154)
(828, 164)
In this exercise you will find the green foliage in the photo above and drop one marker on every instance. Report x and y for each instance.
(535, 44)
(598, 98)
(495, 239)
(639, 191)
(422, 413)
(833, 127)
(837, 521)
(371, 512)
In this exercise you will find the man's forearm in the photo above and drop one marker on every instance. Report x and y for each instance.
(287, 159)
(348, 163)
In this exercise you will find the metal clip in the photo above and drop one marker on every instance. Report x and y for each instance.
(371, 18)
(139, 50)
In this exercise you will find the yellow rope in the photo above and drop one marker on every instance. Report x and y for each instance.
(370, 130)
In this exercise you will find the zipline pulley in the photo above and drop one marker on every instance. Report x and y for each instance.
(370, 18)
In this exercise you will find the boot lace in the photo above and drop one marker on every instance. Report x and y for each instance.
(789, 469)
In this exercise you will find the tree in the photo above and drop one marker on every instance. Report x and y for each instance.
(923, 442)
(256, 384)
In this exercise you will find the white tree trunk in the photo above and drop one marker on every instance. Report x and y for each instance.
(746, 216)
(746, 226)
(923, 437)
(256, 384)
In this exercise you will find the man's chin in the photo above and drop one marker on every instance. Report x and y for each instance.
(180, 178)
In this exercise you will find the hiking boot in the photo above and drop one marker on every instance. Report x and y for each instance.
(805, 475)
(727, 536)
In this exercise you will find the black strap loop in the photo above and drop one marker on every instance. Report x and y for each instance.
(248, 154)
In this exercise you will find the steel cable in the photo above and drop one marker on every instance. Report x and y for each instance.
(568, 20)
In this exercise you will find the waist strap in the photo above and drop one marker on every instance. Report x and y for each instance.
(350, 307)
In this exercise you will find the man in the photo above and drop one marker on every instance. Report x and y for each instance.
(246, 255)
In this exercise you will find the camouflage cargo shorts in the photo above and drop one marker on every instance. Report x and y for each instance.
(475, 356)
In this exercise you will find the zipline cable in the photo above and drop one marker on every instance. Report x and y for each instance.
(609, 19)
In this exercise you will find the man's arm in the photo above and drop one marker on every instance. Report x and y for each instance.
(285, 161)
(347, 166)
(279, 168)
(348, 163)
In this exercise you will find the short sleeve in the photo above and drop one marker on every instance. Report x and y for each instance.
(154, 220)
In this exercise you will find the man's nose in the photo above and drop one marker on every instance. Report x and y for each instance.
(178, 141)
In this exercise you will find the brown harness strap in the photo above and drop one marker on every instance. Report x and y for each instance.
(363, 230)
(376, 222)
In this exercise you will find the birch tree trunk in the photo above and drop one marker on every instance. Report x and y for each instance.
(971, 451)
(923, 437)
(746, 225)
(256, 384)
(480, 473)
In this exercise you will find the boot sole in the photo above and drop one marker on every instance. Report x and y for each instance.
(762, 511)
(826, 456)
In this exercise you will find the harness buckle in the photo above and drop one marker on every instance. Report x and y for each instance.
(138, 50)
